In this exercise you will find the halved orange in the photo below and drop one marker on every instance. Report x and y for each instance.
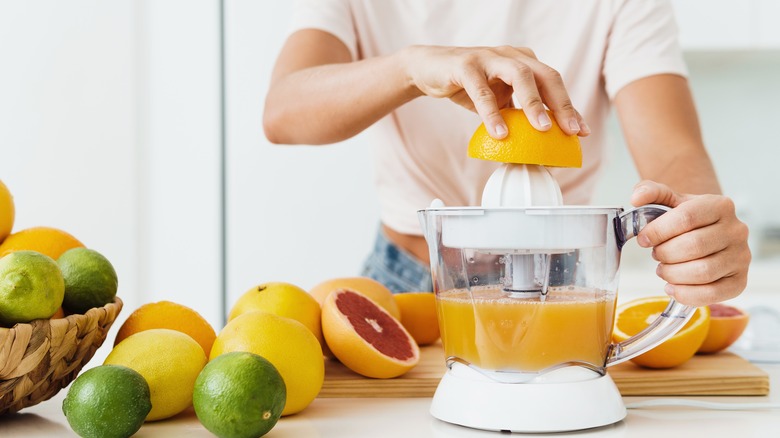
(525, 144)
(726, 326)
(634, 316)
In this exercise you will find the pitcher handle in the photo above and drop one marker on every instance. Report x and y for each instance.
(672, 319)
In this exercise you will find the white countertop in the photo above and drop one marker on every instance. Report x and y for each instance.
(409, 418)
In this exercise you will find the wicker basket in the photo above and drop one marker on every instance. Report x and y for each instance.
(42, 357)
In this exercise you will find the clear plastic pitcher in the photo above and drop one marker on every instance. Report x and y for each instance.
(525, 291)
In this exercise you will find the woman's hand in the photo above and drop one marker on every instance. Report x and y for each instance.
(483, 79)
(701, 244)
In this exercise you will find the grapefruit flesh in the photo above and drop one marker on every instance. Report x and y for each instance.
(365, 337)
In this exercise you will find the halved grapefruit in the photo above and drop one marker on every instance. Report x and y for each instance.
(365, 337)
(726, 326)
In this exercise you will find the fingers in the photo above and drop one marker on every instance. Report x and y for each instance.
(478, 89)
(650, 192)
(533, 83)
(696, 213)
(702, 295)
(701, 246)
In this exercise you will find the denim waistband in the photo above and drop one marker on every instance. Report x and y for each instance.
(397, 269)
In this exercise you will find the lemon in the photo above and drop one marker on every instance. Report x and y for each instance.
(239, 394)
(169, 360)
(6, 212)
(283, 299)
(31, 287)
(287, 344)
(525, 144)
(90, 279)
(107, 402)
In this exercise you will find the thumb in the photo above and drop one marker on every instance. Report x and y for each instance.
(651, 192)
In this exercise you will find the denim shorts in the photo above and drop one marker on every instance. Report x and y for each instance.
(397, 269)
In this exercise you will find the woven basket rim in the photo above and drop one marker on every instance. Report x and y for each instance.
(40, 357)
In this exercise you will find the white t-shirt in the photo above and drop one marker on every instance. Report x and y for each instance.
(598, 46)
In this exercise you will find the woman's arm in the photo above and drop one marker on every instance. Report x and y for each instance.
(319, 95)
(701, 245)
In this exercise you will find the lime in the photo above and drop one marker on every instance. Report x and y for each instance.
(106, 402)
(90, 279)
(238, 395)
(31, 287)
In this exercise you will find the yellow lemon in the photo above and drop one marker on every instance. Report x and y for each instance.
(525, 144)
(169, 360)
(6, 212)
(289, 345)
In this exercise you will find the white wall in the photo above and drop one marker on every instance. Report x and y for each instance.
(67, 124)
(110, 130)
(299, 214)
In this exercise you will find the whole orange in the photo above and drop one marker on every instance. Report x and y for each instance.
(172, 316)
(418, 316)
(45, 240)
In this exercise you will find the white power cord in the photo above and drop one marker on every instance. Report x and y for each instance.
(701, 404)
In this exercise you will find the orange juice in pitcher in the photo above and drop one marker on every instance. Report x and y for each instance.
(494, 330)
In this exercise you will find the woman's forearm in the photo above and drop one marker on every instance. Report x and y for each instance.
(332, 102)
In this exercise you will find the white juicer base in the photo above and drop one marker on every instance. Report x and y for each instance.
(477, 402)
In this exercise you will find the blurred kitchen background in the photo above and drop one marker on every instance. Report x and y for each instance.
(137, 127)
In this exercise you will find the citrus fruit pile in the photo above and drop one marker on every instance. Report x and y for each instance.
(711, 329)
(45, 269)
(265, 363)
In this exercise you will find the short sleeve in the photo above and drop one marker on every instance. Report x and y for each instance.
(643, 42)
(332, 16)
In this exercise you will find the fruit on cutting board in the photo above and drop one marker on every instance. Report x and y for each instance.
(636, 315)
(418, 316)
(365, 337)
(727, 324)
(169, 360)
(239, 394)
(31, 287)
(169, 315)
(107, 401)
(283, 299)
(524, 144)
(289, 345)
(366, 286)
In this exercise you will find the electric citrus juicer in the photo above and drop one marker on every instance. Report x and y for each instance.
(526, 290)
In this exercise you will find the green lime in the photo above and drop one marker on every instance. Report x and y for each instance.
(90, 279)
(239, 395)
(108, 401)
(31, 287)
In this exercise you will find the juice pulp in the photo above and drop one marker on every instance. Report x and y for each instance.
(495, 331)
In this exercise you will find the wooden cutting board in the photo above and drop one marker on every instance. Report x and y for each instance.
(719, 374)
